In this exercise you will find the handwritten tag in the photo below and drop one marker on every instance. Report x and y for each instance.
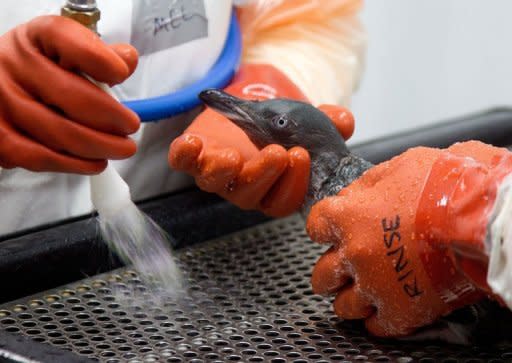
(166, 24)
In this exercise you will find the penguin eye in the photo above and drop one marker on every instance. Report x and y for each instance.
(280, 122)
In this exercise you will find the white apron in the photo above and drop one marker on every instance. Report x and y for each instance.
(174, 53)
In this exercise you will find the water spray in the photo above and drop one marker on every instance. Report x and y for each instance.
(134, 236)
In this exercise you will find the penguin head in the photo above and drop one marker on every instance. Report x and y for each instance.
(279, 121)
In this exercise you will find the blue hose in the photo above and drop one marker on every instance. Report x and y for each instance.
(219, 76)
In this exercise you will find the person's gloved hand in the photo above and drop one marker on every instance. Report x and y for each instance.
(392, 261)
(223, 160)
(52, 118)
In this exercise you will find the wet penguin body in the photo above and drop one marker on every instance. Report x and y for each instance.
(291, 123)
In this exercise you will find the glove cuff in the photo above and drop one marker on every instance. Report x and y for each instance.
(459, 219)
(451, 224)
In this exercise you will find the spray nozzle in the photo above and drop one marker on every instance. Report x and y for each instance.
(86, 12)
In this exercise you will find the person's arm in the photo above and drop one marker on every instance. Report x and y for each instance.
(319, 45)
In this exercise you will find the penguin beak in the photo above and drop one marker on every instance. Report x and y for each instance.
(240, 112)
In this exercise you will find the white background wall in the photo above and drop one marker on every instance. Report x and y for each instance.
(431, 60)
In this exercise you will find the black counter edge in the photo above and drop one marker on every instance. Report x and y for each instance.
(492, 126)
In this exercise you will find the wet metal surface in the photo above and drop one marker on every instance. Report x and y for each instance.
(248, 299)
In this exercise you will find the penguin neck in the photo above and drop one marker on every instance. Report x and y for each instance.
(331, 171)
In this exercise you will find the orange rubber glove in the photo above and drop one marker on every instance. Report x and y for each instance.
(392, 230)
(224, 161)
(51, 118)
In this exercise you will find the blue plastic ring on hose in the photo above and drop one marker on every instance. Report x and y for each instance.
(219, 76)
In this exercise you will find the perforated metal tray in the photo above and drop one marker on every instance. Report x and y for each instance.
(248, 299)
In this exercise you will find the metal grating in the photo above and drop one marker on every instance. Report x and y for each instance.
(248, 299)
